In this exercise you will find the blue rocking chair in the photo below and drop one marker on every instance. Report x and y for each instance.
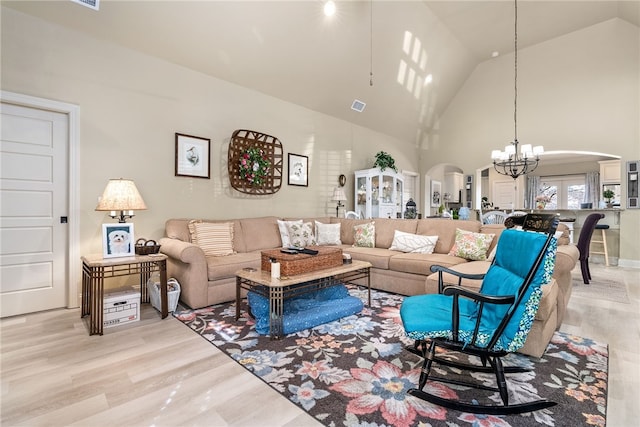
(488, 324)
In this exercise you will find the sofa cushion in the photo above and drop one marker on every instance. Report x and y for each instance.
(379, 258)
(215, 239)
(386, 228)
(445, 229)
(470, 245)
(260, 233)
(346, 228)
(409, 242)
(327, 234)
(364, 235)
(226, 267)
(421, 263)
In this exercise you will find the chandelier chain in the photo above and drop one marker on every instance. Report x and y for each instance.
(371, 46)
(515, 73)
(516, 161)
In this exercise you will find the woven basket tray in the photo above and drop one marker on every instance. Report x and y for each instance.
(146, 247)
(290, 264)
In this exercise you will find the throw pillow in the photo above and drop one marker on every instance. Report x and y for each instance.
(301, 235)
(416, 243)
(470, 245)
(284, 233)
(364, 235)
(328, 234)
(214, 238)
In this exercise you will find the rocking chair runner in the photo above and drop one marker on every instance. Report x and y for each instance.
(488, 324)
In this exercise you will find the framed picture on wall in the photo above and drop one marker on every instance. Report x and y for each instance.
(117, 240)
(192, 156)
(436, 193)
(298, 170)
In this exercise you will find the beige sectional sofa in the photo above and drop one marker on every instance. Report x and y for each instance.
(207, 280)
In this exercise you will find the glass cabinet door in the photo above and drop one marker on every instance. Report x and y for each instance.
(361, 196)
(375, 196)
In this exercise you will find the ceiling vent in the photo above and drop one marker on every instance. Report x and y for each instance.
(358, 106)
(93, 4)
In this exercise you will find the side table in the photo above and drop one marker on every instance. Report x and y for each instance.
(95, 268)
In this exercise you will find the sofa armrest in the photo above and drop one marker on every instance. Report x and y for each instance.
(188, 264)
(182, 251)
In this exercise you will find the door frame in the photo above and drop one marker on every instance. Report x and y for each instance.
(73, 209)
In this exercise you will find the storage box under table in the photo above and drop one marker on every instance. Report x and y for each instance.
(121, 307)
(292, 264)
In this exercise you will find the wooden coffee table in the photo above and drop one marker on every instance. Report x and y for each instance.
(277, 291)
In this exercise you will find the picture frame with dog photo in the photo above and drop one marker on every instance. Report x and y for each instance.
(117, 240)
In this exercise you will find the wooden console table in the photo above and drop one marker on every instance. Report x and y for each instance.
(95, 268)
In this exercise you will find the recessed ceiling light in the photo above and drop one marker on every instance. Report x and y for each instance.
(428, 79)
(329, 8)
(358, 106)
(495, 54)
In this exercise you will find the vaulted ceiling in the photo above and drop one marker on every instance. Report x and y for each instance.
(405, 59)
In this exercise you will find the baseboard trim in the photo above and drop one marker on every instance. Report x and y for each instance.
(629, 263)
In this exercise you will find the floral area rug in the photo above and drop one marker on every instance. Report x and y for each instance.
(356, 371)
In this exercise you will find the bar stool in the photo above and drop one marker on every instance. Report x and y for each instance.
(584, 242)
(603, 228)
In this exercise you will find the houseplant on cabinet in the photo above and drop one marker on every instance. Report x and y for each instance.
(384, 160)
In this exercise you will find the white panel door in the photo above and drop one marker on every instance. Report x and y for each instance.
(505, 194)
(33, 198)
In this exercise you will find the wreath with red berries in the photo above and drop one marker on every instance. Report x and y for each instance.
(253, 166)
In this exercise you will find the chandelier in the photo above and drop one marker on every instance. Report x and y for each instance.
(513, 162)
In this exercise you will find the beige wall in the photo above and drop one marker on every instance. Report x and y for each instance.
(131, 105)
(580, 91)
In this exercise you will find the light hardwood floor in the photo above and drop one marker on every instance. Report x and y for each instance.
(158, 373)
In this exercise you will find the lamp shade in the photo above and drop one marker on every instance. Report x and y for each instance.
(120, 195)
(338, 195)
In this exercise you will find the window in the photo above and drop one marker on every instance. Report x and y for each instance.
(565, 192)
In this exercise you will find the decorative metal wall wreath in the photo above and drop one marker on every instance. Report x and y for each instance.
(255, 162)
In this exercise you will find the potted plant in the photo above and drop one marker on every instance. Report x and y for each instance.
(384, 160)
(608, 195)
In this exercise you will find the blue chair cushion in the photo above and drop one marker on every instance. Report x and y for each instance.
(307, 310)
(429, 316)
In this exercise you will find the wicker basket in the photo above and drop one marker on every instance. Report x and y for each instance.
(173, 293)
(146, 247)
(290, 264)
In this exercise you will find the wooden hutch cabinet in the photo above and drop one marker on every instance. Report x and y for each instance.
(378, 194)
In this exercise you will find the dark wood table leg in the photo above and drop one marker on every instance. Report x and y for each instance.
(238, 281)
(96, 295)
(164, 297)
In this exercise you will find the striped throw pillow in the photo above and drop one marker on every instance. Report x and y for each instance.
(214, 238)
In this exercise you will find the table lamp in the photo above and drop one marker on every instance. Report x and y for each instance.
(121, 198)
(338, 196)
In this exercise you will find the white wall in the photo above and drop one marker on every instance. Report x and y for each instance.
(131, 105)
(580, 92)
